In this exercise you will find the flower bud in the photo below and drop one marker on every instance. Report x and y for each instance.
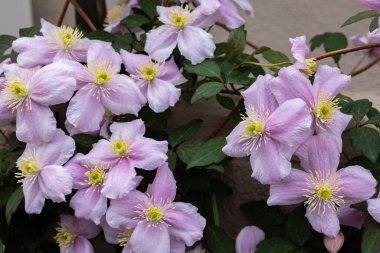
(333, 245)
(311, 66)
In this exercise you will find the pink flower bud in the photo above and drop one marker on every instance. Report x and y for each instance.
(333, 245)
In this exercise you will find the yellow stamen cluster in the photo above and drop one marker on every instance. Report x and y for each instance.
(153, 214)
(148, 72)
(27, 167)
(124, 237)
(180, 17)
(311, 66)
(325, 109)
(15, 92)
(64, 236)
(254, 127)
(102, 77)
(120, 147)
(96, 175)
(68, 35)
(115, 14)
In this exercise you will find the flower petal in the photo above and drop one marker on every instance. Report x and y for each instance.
(374, 208)
(248, 238)
(55, 182)
(121, 89)
(351, 217)
(148, 154)
(34, 198)
(157, 102)
(36, 125)
(229, 15)
(101, 52)
(82, 245)
(132, 62)
(77, 171)
(158, 238)
(325, 222)
(289, 191)
(171, 73)
(103, 152)
(300, 50)
(234, 146)
(357, 184)
(81, 227)
(160, 42)
(128, 131)
(195, 44)
(164, 186)
(330, 81)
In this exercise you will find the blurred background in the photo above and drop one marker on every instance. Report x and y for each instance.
(275, 22)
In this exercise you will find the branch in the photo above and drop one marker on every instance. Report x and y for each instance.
(63, 13)
(221, 126)
(83, 15)
(249, 43)
(365, 68)
(346, 50)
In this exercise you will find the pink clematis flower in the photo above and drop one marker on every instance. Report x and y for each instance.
(269, 133)
(319, 97)
(374, 208)
(300, 50)
(117, 13)
(56, 43)
(27, 95)
(89, 202)
(182, 27)
(101, 87)
(373, 4)
(248, 238)
(42, 174)
(73, 234)
(155, 79)
(126, 150)
(154, 215)
(321, 187)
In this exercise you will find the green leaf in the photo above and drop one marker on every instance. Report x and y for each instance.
(85, 140)
(261, 213)
(13, 202)
(206, 90)
(371, 237)
(187, 150)
(210, 152)
(240, 76)
(362, 206)
(207, 68)
(172, 159)
(134, 21)
(123, 41)
(374, 167)
(226, 102)
(358, 108)
(184, 132)
(334, 41)
(361, 16)
(149, 7)
(5, 42)
(275, 245)
(374, 24)
(101, 35)
(236, 42)
(297, 229)
(29, 31)
(216, 167)
(316, 41)
(367, 140)
(275, 56)
(375, 120)
(5, 193)
(218, 240)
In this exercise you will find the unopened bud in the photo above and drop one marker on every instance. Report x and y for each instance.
(311, 66)
(333, 245)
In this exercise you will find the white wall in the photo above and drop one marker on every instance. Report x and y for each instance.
(15, 14)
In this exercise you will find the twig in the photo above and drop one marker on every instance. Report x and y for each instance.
(83, 15)
(249, 43)
(5, 137)
(63, 13)
(365, 68)
(358, 64)
(346, 50)
(221, 126)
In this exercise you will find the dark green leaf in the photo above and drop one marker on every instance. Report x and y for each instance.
(362, 206)
(375, 120)
(374, 24)
(261, 50)
(371, 237)
(85, 140)
(5, 193)
(366, 163)
(172, 159)
(334, 41)
(5, 42)
(275, 245)
(29, 31)
(275, 56)
(149, 7)
(372, 112)
(210, 152)
(226, 102)
(367, 140)
(134, 21)
(207, 68)
(261, 213)
(236, 42)
(361, 16)
(101, 35)
(316, 41)
(240, 76)
(184, 132)
(13, 202)
(358, 108)
(216, 167)
(220, 49)
(218, 240)
(206, 90)
(187, 150)
(298, 229)
(122, 41)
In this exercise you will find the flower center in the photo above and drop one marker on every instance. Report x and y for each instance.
(325, 109)
(148, 72)
(311, 66)
(178, 19)
(153, 214)
(254, 128)
(27, 167)
(114, 14)
(102, 77)
(64, 236)
(68, 36)
(15, 92)
(323, 191)
(96, 175)
(124, 237)
(120, 147)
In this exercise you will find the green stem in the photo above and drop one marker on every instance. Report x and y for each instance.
(268, 65)
(215, 210)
